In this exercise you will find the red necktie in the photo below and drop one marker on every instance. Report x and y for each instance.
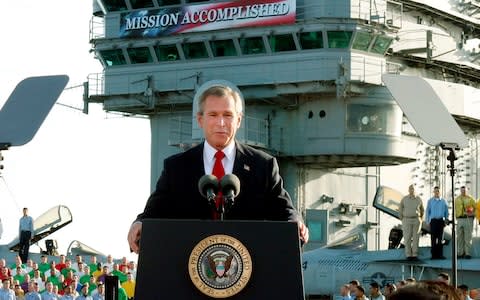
(219, 172)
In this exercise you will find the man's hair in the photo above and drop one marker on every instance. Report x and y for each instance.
(355, 282)
(391, 286)
(220, 91)
(426, 290)
(361, 289)
(444, 276)
(374, 285)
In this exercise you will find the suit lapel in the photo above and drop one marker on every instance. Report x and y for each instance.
(242, 165)
(196, 160)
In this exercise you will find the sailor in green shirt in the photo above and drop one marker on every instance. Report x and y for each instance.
(44, 265)
(464, 212)
(122, 277)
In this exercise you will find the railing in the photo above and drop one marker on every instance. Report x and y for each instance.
(97, 28)
(96, 84)
(362, 9)
(370, 70)
(362, 68)
(180, 131)
(256, 131)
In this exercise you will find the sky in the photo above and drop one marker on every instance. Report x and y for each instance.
(98, 165)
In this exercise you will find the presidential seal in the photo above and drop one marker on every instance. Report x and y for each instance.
(220, 266)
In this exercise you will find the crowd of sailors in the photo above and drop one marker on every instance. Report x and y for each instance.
(65, 279)
(410, 289)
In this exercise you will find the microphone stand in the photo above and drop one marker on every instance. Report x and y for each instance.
(211, 201)
(221, 209)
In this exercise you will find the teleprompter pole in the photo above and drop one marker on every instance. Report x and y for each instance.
(451, 167)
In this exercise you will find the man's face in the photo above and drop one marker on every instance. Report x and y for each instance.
(463, 191)
(219, 120)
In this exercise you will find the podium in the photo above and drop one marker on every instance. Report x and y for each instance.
(207, 259)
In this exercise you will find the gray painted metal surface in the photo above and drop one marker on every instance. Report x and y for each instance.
(27, 107)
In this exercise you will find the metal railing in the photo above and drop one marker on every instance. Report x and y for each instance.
(180, 131)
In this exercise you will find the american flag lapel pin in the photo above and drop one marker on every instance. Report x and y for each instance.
(246, 167)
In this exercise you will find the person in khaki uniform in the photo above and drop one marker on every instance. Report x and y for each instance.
(411, 212)
(465, 213)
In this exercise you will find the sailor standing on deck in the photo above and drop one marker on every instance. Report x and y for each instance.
(465, 212)
(411, 213)
(25, 234)
(437, 217)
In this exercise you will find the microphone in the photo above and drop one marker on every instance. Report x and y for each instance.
(230, 185)
(208, 186)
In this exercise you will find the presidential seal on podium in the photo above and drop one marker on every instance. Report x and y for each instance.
(220, 266)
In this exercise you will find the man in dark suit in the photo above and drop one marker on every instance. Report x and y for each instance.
(262, 195)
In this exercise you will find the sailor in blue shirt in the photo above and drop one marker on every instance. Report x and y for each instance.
(33, 292)
(25, 234)
(437, 217)
(5, 292)
(48, 294)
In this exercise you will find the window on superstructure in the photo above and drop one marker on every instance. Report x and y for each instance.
(281, 42)
(113, 57)
(195, 50)
(252, 45)
(140, 55)
(362, 40)
(166, 52)
(317, 222)
(374, 118)
(141, 3)
(339, 39)
(381, 44)
(311, 40)
(168, 2)
(223, 48)
(115, 5)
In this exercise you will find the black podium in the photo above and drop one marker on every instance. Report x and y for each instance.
(201, 259)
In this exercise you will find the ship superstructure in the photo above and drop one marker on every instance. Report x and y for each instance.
(311, 75)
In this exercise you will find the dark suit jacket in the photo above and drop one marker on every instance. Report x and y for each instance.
(261, 197)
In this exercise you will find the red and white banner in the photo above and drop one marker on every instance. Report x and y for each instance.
(206, 17)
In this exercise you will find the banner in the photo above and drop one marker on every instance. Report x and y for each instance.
(194, 18)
